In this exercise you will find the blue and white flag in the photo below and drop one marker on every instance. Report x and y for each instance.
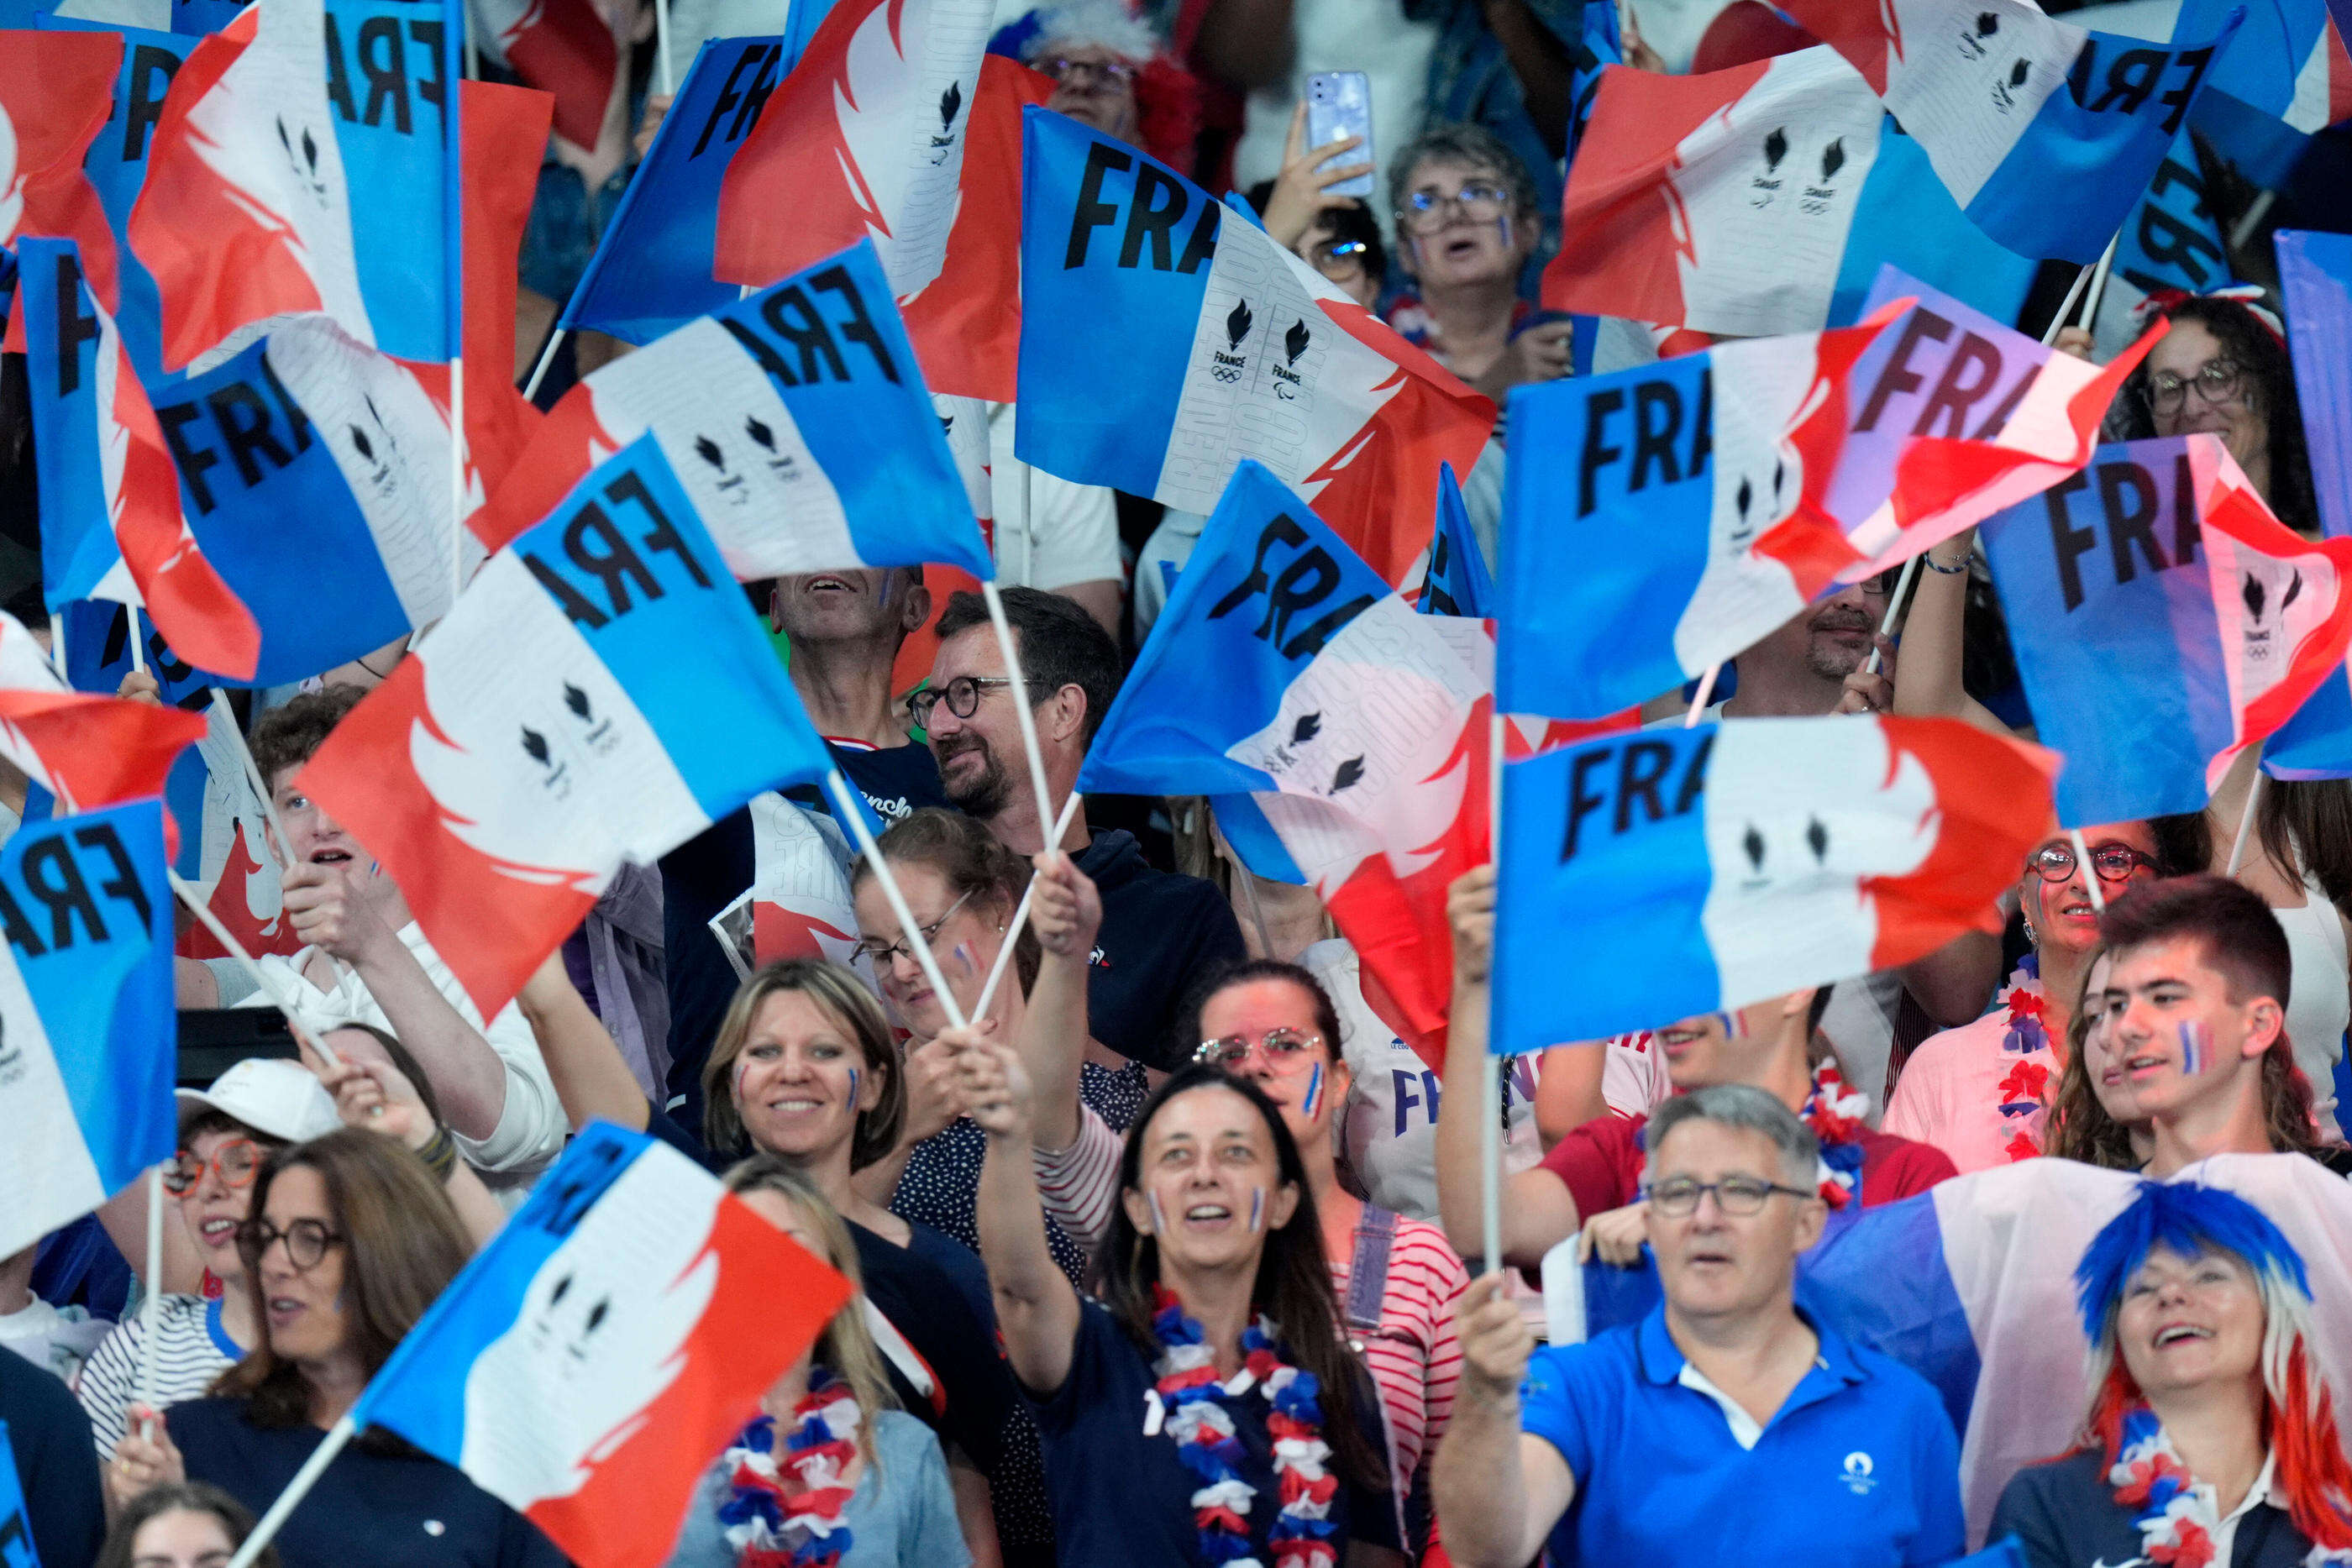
(2044, 132)
(796, 419)
(88, 1037)
(1457, 582)
(584, 1366)
(2285, 76)
(2315, 285)
(652, 271)
(1695, 870)
(601, 692)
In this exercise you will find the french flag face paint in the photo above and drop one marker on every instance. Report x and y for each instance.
(1314, 1094)
(1734, 1024)
(1159, 1215)
(853, 1091)
(2196, 1047)
(1258, 1208)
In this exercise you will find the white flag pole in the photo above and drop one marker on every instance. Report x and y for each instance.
(664, 73)
(2246, 817)
(2099, 284)
(332, 1444)
(57, 647)
(1020, 708)
(458, 34)
(1893, 610)
(1021, 915)
(546, 358)
(235, 949)
(1697, 707)
(852, 811)
(1490, 1072)
(138, 643)
(2090, 873)
(228, 716)
(150, 1309)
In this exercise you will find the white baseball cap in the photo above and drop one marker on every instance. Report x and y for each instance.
(271, 1094)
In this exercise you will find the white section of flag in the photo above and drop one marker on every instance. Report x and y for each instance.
(1759, 393)
(1971, 78)
(902, 150)
(46, 1167)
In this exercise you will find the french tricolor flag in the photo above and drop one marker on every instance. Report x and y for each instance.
(1747, 859)
(592, 1360)
(89, 751)
(2163, 622)
(1342, 735)
(1166, 338)
(2286, 76)
(2044, 132)
(56, 89)
(1658, 520)
(796, 421)
(600, 692)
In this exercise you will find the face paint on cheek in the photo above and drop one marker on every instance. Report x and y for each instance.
(1158, 1219)
(852, 1092)
(1258, 1208)
(2196, 1047)
(1313, 1094)
(1735, 1025)
(1505, 222)
(966, 957)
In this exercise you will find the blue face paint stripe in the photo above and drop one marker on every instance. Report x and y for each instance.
(1314, 1090)
(1257, 1208)
(1158, 1219)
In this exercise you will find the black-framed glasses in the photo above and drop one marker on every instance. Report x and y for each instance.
(1286, 1049)
(235, 1161)
(1111, 73)
(1338, 260)
(1677, 1197)
(306, 1241)
(1481, 201)
(882, 953)
(1879, 585)
(2113, 861)
(962, 696)
(2216, 380)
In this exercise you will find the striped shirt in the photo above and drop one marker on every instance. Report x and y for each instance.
(192, 1349)
(1414, 1355)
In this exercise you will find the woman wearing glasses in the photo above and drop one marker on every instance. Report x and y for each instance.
(1978, 1091)
(2223, 369)
(348, 1242)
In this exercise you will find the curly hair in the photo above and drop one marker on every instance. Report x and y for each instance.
(2269, 390)
(1472, 144)
(287, 737)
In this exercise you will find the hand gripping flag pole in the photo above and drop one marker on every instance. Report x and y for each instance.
(235, 949)
(1021, 915)
(1020, 708)
(852, 811)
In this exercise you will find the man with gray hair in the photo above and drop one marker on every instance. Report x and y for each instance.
(1775, 1439)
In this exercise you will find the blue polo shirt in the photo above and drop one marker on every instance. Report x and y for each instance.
(1858, 1467)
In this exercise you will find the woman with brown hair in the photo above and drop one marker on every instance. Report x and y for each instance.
(831, 1455)
(349, 1241)
(190, 1525)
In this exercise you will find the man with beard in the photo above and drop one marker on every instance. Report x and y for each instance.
(1159, 931)
(1815, 664)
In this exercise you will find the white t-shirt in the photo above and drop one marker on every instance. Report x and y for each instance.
(1049, 533)
(191, 1350)
(58, 1338)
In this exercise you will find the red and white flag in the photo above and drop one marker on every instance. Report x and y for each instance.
(89, 751)
(55, 92)
(560, 46)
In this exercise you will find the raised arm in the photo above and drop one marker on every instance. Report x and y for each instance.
(1537, 1212)
(1067, 913)
(1928, 679)
(377, 1097)
(1036, 1310)
(1499, 1492)
(591, 1077)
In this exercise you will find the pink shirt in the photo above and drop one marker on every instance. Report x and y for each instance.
(1972, 1097)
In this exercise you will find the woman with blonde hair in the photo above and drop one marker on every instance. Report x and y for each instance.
(832, 1469)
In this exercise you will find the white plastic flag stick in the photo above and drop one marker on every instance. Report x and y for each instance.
(340, 1434)
(235, 949)
(1893, 610)
(2256, 211)
(138, 643)
(151, 1307)
(2090, 873)
(852, 811)
(228, 716)
(662, 72)
(457, 476)
(2067, 308)
(1021, 915)
(1490, 1071)
(2099, 284)
(546, 358)
(58, 646)
(1698, 709)
(2246, 820)
(1021, 706)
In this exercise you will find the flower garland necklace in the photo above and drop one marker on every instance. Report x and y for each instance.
(2176, 1517)
(1190, 1401)
(1835, 1114)
(2022, 1091)
(788, 1514)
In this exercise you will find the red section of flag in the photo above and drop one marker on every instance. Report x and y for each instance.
(505, 134)
(771, 1302)
(557, 453)
(491, 923)
(56, 91)
(1992, 803)
(1868, 33)
(232, 907)
(97, 751)
(563, 47)
(2228, 505)
(1624, 230)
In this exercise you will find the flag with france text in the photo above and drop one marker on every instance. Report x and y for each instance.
(600, 692)
(1456, 581)
(88, 1040)
(300, 165)
(2044, 132)
(1744, 860)
(587, 1363)
(1759, 200)
(56, 89)
(2163, 620)
(2171, 240)
(2286, 75)
(1165, 340)
(1341, 737)
(1659, 519)
(796, 421)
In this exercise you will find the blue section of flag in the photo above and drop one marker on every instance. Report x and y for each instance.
(1906, 219)
(98, 655)
(1577, 844)
(652, 270)
(61, 335)
(1227, 647)
(2252, 84)
(200, 18)
(1599, 46)
(394, 146)
(16, 1549)
(1459, 582)
(256, 477)
(1109, 305)
(1604, 552)
(2099, 140)
(420, 1392)
(2316, 743)
(100, 973)
(690, 652)
(2110, 613)
(863, 410)
(2315, 285)
(2172, 240)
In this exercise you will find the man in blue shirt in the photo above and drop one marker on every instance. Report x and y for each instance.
(1726, 1427)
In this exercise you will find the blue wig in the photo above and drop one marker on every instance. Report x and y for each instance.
(2187, 1218)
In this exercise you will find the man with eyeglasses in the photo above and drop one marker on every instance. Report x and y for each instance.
(1159, 930)
(1727, 1426)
